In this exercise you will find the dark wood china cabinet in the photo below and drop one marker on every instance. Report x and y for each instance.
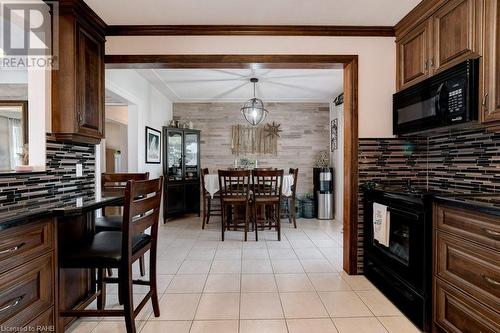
(181, 169)
(78, 83)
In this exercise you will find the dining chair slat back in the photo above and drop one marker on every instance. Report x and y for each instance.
(292, 214)
(234, 190)
(267, 183)
(234, 183)
(207, 199)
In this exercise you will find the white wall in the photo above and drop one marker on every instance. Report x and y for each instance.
(116, 138)
(148, 107)
(14, 76)
(377, 63)
(117, 113)
(39, 115)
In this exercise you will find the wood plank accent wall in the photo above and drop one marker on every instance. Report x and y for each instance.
(305, 133)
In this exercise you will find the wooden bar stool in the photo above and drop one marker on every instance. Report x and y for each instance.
(207, 200)
(235, 193)
(267, 185)
(113, 184)
(120, 249)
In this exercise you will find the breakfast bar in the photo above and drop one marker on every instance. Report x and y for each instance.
(33, 289)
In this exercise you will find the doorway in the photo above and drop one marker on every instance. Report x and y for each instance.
(349, 63)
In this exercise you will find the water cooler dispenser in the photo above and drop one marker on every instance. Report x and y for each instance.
(323, 193)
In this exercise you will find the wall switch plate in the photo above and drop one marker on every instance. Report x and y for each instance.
(79, 170)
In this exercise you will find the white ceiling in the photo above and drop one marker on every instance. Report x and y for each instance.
(260, 12)
(233, 85)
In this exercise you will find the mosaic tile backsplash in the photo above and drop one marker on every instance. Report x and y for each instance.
(466, 161)
(57, 184)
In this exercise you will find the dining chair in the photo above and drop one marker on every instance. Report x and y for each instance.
(267, 186)
(234, 195)
(292, 212)
(119, 250)
(114, 184)
(207, 200)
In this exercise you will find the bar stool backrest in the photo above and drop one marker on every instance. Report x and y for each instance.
(114, 183)
(141, 211)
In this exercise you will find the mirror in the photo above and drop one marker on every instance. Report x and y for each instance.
(13, 134)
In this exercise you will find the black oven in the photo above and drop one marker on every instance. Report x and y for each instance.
(446, 99)
(402, 270)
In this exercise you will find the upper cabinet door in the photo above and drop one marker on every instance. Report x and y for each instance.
(90, 69)
(456, 28)
(412, 56)
(490, 99)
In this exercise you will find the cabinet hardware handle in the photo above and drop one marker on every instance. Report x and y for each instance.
(492, 233)
(485, 101)
(490, 280)
(426, 67)
(80, 119)
(13, 249)
(432, 62)
(12, 304)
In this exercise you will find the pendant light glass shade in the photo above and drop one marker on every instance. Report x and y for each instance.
(253, 110)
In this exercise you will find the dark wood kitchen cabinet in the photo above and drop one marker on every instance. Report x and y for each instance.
(439, 34)
(456, 33)
(27, 276)
(490, 92)
(413, 56)
(181, 171)
(466, 274)
(78, 83)
(435, 36)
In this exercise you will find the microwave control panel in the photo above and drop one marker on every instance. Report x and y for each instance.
(456, 100)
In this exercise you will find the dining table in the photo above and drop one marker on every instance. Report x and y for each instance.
(212, 185)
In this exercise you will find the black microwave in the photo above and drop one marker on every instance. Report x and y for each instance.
(446, 99)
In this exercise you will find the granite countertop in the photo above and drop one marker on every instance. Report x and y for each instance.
(73, 207)
(486, 203)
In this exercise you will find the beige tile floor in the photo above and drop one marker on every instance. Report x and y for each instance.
(295, 286)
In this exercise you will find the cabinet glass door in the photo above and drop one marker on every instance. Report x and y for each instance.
(174, 157)
(191, 152)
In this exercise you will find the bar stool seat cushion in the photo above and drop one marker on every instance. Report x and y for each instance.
(103, 251)
(109, 223)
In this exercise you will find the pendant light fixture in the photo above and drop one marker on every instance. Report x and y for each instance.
(253, 110)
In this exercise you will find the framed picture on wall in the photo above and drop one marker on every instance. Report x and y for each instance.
(334, 134)
(153, 146)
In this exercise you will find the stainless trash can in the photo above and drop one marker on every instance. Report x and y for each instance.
(324, 194)
(325, 206)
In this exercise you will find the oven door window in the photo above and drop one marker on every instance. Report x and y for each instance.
(400, 237)
(399, 242)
